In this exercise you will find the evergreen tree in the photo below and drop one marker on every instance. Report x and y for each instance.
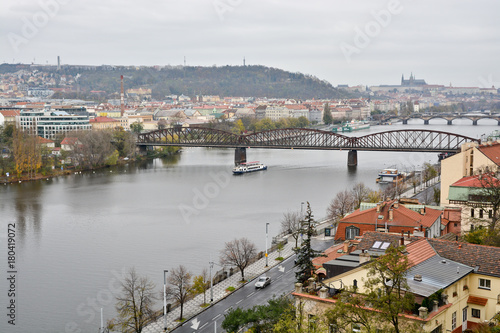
(327, 115)
(305, 253)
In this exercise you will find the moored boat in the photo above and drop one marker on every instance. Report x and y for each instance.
(390, 176)
(351, 126)
(249, 167)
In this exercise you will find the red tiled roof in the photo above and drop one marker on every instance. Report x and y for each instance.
(43, 140)
(10, 113)
(103, 120)
(474, 181)
(477, 300)
(69, 141)
(402, 216)
(492, 151)
(419, 251)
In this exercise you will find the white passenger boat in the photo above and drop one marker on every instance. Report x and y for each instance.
(249, 167)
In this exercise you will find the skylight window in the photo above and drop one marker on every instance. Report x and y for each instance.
(377, 244)
(385, 245)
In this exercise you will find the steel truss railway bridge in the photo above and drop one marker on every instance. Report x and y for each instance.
(303, 138)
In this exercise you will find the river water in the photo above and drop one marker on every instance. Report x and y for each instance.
(76, 235)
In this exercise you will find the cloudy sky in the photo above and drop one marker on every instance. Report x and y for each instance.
(345, 42)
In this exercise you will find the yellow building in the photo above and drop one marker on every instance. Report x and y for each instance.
(467, 276)
(472, 160)
(100, 123)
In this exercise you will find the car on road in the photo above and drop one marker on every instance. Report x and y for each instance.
(262, 282)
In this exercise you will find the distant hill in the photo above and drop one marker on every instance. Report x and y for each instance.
(248, 81)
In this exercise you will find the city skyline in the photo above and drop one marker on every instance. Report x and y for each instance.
(367, 42)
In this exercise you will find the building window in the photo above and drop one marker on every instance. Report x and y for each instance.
(480, 213)
(485, 284)
(476, 313)
(351, 232)
(472, 212)
(454, 320)
(490, 214)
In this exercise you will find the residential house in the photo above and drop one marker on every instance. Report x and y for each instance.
(391, 216)
(469, 194)
(68, 143)
(466, 276)
(472, 159)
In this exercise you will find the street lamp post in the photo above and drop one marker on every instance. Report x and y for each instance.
(211, 282)
(267, 225)
(165, 299)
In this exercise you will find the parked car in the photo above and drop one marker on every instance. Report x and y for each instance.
(262, 282)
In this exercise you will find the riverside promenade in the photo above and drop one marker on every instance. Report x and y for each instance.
(193, 307)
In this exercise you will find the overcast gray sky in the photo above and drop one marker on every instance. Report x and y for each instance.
(345, 42)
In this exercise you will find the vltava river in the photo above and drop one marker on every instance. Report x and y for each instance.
(75, 235)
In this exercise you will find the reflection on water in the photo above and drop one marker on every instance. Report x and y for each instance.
(77, 230)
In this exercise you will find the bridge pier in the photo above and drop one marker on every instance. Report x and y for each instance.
(405, 121)
(143, 150)
(474, 122)
(450, 122)
(426, 121)
(240, 155)
(352, 158)
(499, 123)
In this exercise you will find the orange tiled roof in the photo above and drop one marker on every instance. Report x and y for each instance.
(474, 181)
(477, 300)
(419, 251)
(43, 140)
(402, 216)
(492, 151)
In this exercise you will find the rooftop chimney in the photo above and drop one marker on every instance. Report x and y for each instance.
(435, 306)
(402, 241)
(391, 214)
(422, 312)
(417, 277)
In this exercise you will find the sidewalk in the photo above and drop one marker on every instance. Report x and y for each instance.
(193, 308)
(420, 188)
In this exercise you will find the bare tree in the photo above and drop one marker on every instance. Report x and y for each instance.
(239, 253)
(92, 148)
(180, 288)
(341, 205)
(359, 194)
(134, 305)
(291, 224)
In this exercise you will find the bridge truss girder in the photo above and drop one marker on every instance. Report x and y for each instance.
(301, 138)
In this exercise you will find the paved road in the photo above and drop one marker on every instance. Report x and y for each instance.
(282, 282)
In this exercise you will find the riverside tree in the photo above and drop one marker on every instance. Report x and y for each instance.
(134, 304)
(291, 224)
(239, 253)
(340, 206)
(201, 283)
(305, 253)
(180, 288)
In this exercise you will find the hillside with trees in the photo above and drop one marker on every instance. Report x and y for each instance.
(247, 81)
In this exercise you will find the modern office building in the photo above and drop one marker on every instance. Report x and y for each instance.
(49, 124)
